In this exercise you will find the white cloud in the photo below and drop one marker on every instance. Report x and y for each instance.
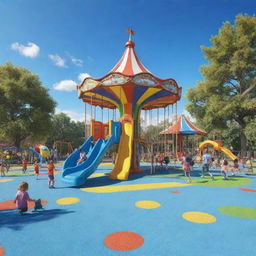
(65, 85)
(58, 61)
(31, 50)
(77, 62)
(82, 76)
(75, 116)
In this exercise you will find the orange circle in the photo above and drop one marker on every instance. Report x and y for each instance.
(1, 251)
(10, 205)
(175, 192)
(248, 189)
(124, 241)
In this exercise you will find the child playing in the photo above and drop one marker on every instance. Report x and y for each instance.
(24, 165)
(235, 168)
(36, 168)
(22, 198)
(2, 169)
(82, 157)
(187, 167)
(224, 169)
(51, 169)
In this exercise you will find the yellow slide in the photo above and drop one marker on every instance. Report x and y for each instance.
(228, 153)
(217, 146)
(124, 156)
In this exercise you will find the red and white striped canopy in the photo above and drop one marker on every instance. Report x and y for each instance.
(129, 64)
(183, 126)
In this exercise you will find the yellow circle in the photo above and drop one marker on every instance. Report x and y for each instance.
(147, 204)
(68, 200)
(5, 180)
(199, 217)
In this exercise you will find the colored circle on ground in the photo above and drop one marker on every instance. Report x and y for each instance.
(68, 200)
(248, 189)
(10, 205)
(175, 192)
(124, 241)
(1, 251)
(5, 180)
(238, 211)
(218, 181)
(199, 217)
(147, 204)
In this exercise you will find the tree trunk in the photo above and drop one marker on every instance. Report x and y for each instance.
(243, 141)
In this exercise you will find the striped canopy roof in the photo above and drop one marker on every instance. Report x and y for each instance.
(183, 126)
(129, 82)
(129, 64)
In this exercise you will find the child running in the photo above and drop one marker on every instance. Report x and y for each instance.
(224, 169)
(51, 169)
(24, 165)
(36, 168)
(22, 198)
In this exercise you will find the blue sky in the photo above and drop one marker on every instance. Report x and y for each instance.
(62, 39)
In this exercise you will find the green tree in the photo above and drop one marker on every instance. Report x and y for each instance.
(64, 129)
(250, 132)
(228, 91)
(25, 105)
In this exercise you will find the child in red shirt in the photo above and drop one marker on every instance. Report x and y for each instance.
(24, 165)
(36, 168)
(51, 169)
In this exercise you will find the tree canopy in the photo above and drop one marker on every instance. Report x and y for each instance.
(64, 129)
(228, 92)
(25, 105)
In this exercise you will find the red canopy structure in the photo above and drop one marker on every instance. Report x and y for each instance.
(181, 127)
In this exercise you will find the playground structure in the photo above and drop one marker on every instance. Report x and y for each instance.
(182, 127)
(42, 152)
(75, 174)
(130, 88)
(217, 145)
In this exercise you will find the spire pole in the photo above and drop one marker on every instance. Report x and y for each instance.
(131, 33)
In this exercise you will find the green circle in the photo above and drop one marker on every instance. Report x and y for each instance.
(238, 211)
(218, 181)
(233, 181)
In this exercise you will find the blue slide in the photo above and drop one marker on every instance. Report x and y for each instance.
(76, 175)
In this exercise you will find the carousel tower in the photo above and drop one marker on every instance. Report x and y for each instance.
(129, 87)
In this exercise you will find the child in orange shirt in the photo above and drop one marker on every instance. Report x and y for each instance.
(51, 169)
(36, 168)
(24, 165)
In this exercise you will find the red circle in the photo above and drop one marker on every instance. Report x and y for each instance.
(248, 189)
(124, 241)
(175, 192)
(1, 251)
(10, 205)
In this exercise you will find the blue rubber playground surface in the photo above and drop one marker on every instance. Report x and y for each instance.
(148, 215)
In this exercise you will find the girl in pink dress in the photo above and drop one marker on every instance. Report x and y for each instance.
(22, 197)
